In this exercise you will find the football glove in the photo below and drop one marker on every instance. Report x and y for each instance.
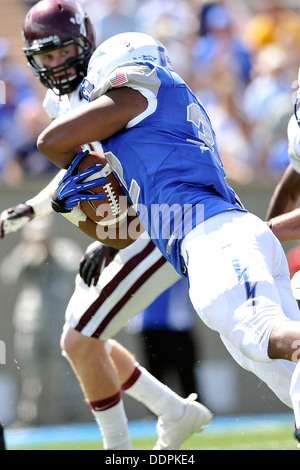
(14, 218)
(72, 189)
(93, 263)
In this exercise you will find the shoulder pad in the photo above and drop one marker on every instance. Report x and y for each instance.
(140, 77)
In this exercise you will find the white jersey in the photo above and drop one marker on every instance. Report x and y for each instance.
(294, 143)
(56, 106)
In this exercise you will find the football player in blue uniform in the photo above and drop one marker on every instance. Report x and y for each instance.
(160, 142)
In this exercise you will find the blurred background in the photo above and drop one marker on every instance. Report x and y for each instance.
(242, 60)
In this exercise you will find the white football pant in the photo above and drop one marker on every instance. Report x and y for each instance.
(240, 287)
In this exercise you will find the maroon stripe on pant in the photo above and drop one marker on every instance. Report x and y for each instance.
(127, 296)
(113, 284)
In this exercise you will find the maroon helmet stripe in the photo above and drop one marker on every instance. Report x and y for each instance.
(127, 296)
(113, 284)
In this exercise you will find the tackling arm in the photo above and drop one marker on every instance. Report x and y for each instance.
(14, 218)
(286, 195)
(282, 212)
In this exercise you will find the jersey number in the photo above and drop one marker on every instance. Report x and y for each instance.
(196, 116)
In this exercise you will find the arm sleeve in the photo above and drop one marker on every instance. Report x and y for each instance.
(41, 203)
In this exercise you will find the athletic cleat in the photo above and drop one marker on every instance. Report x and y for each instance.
(172, 434)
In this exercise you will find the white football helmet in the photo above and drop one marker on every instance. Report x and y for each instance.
(124, 48)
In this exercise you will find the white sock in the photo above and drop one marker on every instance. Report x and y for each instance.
(157, 397)
(113, 424)
(295, 394)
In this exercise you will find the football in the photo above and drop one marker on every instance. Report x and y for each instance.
(114, 208)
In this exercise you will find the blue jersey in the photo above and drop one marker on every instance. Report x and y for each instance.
(167, 158)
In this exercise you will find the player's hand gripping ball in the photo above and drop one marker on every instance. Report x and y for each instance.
(91, 183)
(113, 209)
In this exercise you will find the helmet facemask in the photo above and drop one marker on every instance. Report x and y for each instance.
(58, 78)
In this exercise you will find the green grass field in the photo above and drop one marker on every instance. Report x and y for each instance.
(278, 439)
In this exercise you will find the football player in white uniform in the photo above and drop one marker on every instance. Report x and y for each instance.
(283, 213)
(159, 140)
(114, 285)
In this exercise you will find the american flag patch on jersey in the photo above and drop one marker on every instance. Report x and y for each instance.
(119, 79)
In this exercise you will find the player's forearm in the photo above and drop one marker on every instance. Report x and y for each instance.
(118, 236)
(91, 122)
(286, 227)
(286, 195)
(116, 243)
(281, 203)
